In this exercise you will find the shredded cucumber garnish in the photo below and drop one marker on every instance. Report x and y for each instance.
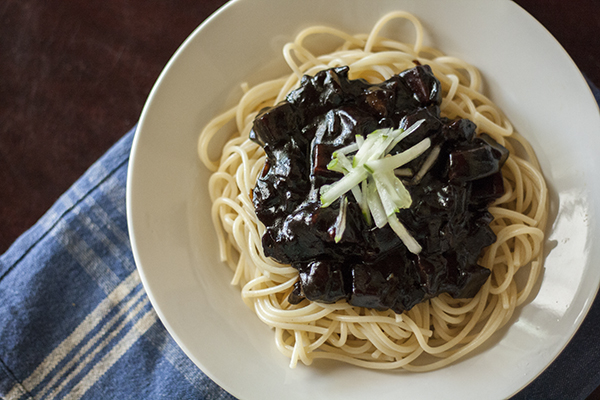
(340, 222)
(371, 174)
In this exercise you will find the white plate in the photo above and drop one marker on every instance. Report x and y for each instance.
(526, 73)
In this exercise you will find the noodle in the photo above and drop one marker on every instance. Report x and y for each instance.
(434, 333)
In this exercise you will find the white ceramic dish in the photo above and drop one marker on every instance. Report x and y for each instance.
(526, 72)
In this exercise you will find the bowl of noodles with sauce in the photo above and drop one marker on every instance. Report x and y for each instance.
(266, 318)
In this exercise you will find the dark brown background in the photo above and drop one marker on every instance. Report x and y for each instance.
(74, 76)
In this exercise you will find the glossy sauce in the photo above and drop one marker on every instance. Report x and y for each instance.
(371, 267)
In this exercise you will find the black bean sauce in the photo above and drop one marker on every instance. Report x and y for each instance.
(371, 267)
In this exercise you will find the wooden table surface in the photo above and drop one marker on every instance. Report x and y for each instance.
(74, 76)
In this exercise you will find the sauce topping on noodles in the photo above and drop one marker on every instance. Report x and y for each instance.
(339, 251)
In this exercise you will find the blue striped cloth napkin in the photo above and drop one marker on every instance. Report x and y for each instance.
(75, 321)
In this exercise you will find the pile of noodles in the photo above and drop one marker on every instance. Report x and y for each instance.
(434, 333)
